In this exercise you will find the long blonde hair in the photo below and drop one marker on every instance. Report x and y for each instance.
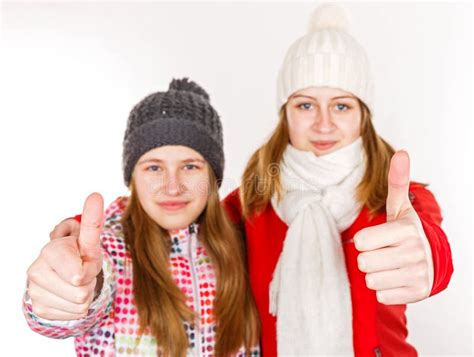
(261, 179)
(161, 304)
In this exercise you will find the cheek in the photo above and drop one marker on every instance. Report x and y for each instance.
(199, 190)
(350, 129)
(298, 128)
(145, 189)
(145, 197)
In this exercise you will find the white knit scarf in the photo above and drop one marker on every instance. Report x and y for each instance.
(310, 292)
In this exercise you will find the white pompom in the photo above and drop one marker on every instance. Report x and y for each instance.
(329, 16)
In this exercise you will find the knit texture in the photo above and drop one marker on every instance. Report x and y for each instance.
(180, 116)
(310, 293)
(326, 56)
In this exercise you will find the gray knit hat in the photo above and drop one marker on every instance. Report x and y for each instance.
(180, 116)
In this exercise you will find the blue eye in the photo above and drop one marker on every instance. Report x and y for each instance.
(341, 107)
(306, 106)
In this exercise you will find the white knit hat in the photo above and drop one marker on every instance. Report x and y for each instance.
(326, 56)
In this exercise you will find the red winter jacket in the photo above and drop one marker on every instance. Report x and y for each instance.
(377, 329)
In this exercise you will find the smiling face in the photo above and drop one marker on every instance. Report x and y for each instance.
(323, 119)
(172, 184)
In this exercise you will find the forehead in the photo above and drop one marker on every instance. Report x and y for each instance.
(323, 92)
(172, 153)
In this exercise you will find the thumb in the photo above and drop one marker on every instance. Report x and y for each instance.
(91, 227)
(398, 185)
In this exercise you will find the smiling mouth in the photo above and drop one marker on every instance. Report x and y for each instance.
(323, 144)
(173, 205)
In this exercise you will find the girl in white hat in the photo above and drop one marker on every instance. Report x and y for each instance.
(338, 238)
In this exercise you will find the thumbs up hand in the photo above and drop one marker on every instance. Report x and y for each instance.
(62, 280)
(393, 254)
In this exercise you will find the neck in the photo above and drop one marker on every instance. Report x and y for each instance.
(192, 227)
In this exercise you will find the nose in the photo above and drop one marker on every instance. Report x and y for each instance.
(173, 185)
(323, 122)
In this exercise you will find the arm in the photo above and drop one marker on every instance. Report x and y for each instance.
(429, 213)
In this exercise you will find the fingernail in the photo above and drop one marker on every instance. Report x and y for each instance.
(361, 263)
(380, 297)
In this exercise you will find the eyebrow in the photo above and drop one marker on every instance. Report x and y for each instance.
(307, 96)
(345, 97)
(158, 161)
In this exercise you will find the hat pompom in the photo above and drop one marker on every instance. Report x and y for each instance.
(329, 16)
(185, 84)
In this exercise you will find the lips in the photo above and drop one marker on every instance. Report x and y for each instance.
(324, 144)
(173, 205)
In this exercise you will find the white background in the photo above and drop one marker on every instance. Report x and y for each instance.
(71, 72)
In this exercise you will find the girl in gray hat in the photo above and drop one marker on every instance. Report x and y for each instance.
(163, 271)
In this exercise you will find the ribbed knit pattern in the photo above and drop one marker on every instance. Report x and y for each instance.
(328, 56)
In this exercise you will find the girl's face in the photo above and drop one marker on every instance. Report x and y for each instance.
(172, 185)
(323, 119)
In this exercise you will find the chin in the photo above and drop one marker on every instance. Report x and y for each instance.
(171, 226)
(176, 220)
(325, 152)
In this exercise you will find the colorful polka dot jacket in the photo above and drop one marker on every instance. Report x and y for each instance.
(110, 327)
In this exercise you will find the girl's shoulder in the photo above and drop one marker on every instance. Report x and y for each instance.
(114, 212)
(232, 206)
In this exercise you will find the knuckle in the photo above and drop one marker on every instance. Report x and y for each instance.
(406, 277)
(419, 255)
(47, 250)
(92, 224)
(33, 292)
(422, 271)
(82, 295)
(29, 271)
(78, 278)
(33, 273)
(415, 240)
(83, 309)
(423, 291)
(414, 256)
(39, 310)
(415, 275)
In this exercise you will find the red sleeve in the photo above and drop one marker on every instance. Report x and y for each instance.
(232, 206)
(429, 212)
